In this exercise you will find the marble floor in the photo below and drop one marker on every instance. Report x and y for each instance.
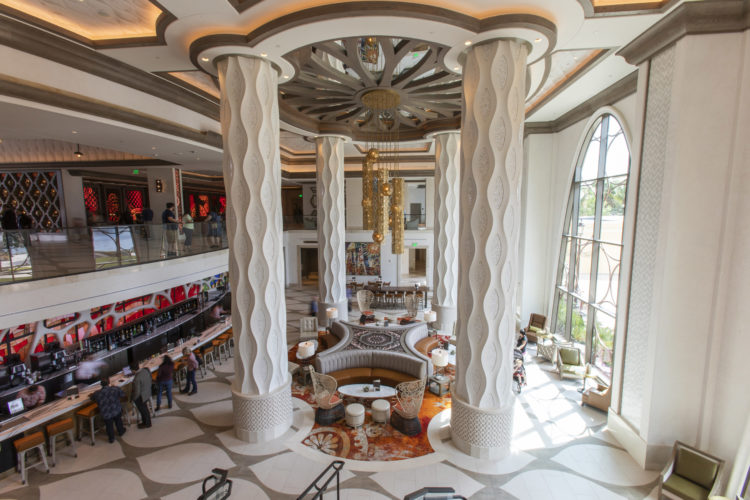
(560, 451)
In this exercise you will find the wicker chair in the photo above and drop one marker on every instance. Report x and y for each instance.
(411, 301)
(405, 417)
(330, 407)
(364, 299)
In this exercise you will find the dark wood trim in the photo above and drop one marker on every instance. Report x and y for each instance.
(285, 160)
(242, 5)
(645, 7)
(692, 18)
(90, 163)
(73, 102)
(164, 20)
(569, 80)
(608, 96)
(31, 40)
(187, 85)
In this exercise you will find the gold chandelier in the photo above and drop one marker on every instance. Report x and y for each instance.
(382, 190)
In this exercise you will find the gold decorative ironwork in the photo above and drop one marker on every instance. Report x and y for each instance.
(397, 216)
(368, 210)
(381, 99)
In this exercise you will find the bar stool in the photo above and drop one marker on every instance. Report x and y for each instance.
(63, 428)
(208, 356)
(201, 363)
(180, 373)
(228, 339)
(88, 412)
(26, 444)
(221, 349)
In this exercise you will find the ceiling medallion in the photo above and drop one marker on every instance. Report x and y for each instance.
(346, 86)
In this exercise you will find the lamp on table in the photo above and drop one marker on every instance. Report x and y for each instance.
(439, 361)
(430, 317)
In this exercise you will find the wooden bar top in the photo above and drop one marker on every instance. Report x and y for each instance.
(42, 414)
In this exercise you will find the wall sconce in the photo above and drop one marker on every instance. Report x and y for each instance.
(159, 186)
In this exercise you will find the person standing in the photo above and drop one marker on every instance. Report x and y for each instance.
(169, 222)
(214, 236)
(10, 220)
(110, 408)
(187, 227)
(192, 366)
(164, 381)
(148, 219)
(141, 393)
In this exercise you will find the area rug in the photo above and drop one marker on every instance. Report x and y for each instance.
(372, 441)
(383, 340)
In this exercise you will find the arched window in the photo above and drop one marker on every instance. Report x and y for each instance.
(585, 302)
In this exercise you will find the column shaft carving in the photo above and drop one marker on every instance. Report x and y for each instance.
(331, 228)
(492, 161)
(252, 175)
(445, 273)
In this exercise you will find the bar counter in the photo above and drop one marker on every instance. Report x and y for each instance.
(41, 415)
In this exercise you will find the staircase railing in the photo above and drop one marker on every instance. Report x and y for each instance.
(434, 493)
(220, 489)
(334, 468)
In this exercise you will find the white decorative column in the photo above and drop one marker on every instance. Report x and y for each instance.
(329, 161)
(445, 270)
(492, 160)
(261, 392)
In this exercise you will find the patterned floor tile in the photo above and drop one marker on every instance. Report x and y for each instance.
(183, 463)
(165, 431)
(407, 480)
(291, 473)
(556, 485)
(241, 488)
(207, 392)
(604, 464)
(112, 484)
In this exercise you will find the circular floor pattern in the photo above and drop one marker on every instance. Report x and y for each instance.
(112, 484)
(208, 392)
(184, 463)
(88, 456)
(218, 414)
(165, 431)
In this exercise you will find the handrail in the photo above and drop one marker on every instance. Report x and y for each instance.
(27, 254)
(220, 490)
(435, 493)
(336, 465)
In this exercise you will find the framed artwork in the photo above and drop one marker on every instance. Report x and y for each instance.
(363, 259)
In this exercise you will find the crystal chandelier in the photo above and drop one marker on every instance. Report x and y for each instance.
(382, 189)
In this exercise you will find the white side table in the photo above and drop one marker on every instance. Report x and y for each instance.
(355, 415)
(381, 411)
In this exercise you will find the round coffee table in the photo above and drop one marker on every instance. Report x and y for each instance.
(358, 391)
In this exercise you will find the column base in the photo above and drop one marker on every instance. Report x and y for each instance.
(446, 318)
(262, 418)
(342, 306)
(481, 433)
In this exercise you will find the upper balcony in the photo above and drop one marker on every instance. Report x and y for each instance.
(30, 255)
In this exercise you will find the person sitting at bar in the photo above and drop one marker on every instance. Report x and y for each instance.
(110, 407)
(33, 396)
(141, 393)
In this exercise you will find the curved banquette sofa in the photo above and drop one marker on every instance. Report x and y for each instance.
(364, 366)
(357, 366)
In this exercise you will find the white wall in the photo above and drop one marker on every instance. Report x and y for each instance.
(353, 187)
(72, 191)
(389, 263)
(158, 201)
(24, 302)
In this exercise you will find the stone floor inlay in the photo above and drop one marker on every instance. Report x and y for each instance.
(218, 414)
(164, 431)
(109, 484)
(291, 473)
(556, 485)
(208, 392)
(241, 489)
(407, 480)
(603, 463)
(184, 463)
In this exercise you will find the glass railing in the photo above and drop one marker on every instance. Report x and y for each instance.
(32, 255)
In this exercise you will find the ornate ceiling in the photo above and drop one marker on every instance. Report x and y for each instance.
(334, 78)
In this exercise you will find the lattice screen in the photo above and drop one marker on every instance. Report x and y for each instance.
(36, 193)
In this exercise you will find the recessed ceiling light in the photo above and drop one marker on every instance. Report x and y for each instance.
(456, 68)
(263, 54)
(205, 59)
(467, 42)
(286, 77)
(153, 147)
(537, 40)
(74, 131)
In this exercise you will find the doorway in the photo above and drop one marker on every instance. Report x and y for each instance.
(413, 266)
(308, 265)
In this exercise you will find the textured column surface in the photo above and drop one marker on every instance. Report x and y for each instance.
(331, 228)
(445, 270)
(492, 160)
(261, 390)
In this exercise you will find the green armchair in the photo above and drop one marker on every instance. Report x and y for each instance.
(570, 363)
(691, 474)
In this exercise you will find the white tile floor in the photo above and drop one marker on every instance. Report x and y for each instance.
(560, 451)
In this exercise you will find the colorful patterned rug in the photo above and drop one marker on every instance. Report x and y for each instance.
(381, 339)
(372, 441)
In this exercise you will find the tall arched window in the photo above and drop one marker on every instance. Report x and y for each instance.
(585, 302)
